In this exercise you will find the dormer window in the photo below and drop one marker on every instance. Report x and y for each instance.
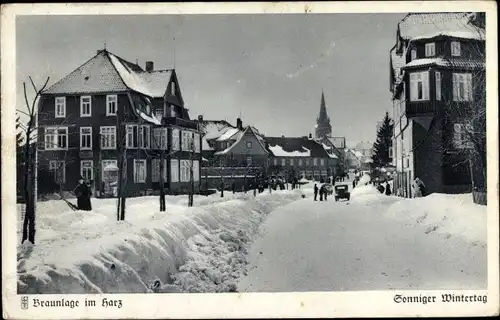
(455, 48)
(413, 54)
(430, 49)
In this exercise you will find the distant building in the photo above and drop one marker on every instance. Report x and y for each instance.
(323, 126)
(296, 157)
(436, 67)
(107, 109)
(233, 153)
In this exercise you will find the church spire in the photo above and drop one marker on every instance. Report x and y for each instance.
(323, 127)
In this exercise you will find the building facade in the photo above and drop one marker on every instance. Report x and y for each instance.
(301, 157)
(110, 115)
(437, 81)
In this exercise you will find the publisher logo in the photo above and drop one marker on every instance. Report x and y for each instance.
(24, 302)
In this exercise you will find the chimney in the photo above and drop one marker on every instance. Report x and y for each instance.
(200, 118)
(149, 66)
(310, 136)
(239, 124)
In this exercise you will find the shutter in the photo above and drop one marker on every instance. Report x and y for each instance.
(438, 85)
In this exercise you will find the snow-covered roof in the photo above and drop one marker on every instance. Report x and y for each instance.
(464, 34)
(441, 62)
(296, 147)
(230, 134)
(417, 24)
(106, 72)
(239, 135)
(213, 129)
(205, 146)
(358, 154)
(153, 119)
(153, 84)
(278, 151)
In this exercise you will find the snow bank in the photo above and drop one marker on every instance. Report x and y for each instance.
(364, 180)
(450, 215)
(368, 195)
(196, 249)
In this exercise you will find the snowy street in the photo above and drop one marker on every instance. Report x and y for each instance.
(319, 246)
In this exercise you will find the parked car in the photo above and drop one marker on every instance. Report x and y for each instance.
(342, 192)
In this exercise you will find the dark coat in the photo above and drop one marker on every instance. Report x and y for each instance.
(83, 194)
(388, 190)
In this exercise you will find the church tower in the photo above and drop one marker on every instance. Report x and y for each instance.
(323, 127)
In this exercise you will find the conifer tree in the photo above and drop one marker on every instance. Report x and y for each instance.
(383, 144)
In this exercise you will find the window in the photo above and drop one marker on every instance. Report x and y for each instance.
(108, 165)
(60, 111)
(462, 87)
(461, 136)
(419, 86)
(160, 138)
(413, 54)
(315, 161)
(159, 112)
(131, 141)
(196, 170)
(300, 162)
(175, 139)
(430, 49)
(196, 142)
(86, 169)
(58, 171)
(291, 162)
(391, 152)
(56, 138)
(108, 137)
(85, 106)
(249, 160)
(155, 170)
(140, 171)
(283, 162)
(187, 143)
(172, 111)
(86, 138)
(249, 144)
(322, 161)
(185, 170)
(111, 103)
(144, 136)
(438, 85)
(455, 48)
(275, 161)
(307, 162)
(174, 170)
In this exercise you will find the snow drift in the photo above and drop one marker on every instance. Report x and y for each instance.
(198, 249)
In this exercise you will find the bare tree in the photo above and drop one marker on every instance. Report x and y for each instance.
(30, 154)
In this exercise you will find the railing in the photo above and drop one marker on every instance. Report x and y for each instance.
(191, 124)
(415, 109)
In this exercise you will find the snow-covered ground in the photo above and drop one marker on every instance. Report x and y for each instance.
(196, 249)
(373, 242)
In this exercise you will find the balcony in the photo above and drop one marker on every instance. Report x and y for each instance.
(419, 108)
(189, 124)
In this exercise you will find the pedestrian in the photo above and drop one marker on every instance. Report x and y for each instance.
(315, 192)
(416, 189)
(233, 187)
(82, 192)
(387, 189)
(421, 187)
(325, 192)
(321, 192)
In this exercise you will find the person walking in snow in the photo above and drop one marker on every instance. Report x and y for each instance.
(325, 192)
(416, 189)
(421, 186)
(387, 189)
(315, 192)
(321, 193)
(82, 192)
